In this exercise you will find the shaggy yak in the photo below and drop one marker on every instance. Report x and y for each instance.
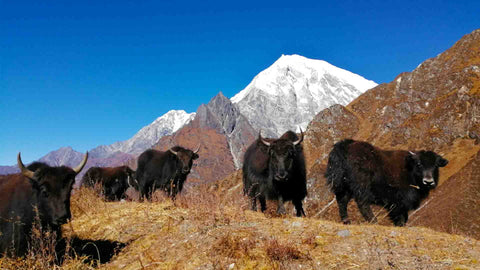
(114, 180)
(397, 180)
(164, 170)
(275, 170)
(39, 193)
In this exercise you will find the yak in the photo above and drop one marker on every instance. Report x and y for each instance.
(274, 169)
(397, 180)
(114, 181)
(164, 170)
(39, 193)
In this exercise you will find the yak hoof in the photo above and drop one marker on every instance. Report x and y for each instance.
(346, 221)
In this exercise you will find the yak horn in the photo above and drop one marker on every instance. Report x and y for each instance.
(411, 153)
(261, 139)
(82, 164)
(301, 138)
(26, 172)
(198, 149)
(173, 152)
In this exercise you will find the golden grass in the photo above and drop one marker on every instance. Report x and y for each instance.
(198, 232)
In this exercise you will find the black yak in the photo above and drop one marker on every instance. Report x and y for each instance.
(397, 180)
(164, 170)
(39, 192)
(275, 170)
(114, 181)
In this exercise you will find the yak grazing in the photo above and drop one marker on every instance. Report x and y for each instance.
(275, 170)
(114, 181)
(39, 193)
(397, 180)
(164, 170)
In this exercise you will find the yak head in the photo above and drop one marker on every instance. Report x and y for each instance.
(131, 177)
(282, 153)
(423, 165)
(184, 158)
(52, 186)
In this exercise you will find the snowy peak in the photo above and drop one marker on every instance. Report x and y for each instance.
(148, 135)
(293, 89)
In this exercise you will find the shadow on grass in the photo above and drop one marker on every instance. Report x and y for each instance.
(95, 251)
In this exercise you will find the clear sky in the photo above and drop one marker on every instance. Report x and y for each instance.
(88, 73)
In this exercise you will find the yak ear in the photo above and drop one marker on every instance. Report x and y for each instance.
(441, 162)
(195, 156)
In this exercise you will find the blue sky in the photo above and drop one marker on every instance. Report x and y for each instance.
(92, 72)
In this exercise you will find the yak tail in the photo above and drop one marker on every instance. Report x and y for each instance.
(337, 166)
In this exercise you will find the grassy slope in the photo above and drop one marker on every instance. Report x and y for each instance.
(198, 232)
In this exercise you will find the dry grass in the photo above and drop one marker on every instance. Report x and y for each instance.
(197, 232)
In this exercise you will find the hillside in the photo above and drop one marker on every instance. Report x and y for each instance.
(199, 232)
(434, 107)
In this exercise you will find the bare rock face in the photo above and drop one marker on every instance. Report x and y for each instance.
(223, 134)
(223, 116)
(434, 107)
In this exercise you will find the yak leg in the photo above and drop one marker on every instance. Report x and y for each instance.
(254, 203)
(145, 192)
(399, 216)
(366, 211)
(281, 207)
(299, 208)
(342, 201)
(263, 203)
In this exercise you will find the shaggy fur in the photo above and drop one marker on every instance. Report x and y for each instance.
(164, 170)
(263, 164)
(20, 197)
(114, 181)
(397, 180)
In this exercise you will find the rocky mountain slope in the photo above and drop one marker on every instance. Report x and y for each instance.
(434, 107)
(293, 90)
(223, 135)
(147, 136)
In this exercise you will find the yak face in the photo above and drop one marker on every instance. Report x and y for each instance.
(423, 165)
(184, 158)
(282, 154)
(53, 186)
(131, 178)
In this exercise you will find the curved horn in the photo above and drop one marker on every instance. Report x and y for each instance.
(26, 172)
(198, 149)
(261, 139)
(301, 138)
(82, 164)
(173, 152)
(411, 153)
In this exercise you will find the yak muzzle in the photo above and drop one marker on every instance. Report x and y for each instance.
(428, 181)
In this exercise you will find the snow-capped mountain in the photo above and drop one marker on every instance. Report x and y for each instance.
(293, 90)
(147, 136)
